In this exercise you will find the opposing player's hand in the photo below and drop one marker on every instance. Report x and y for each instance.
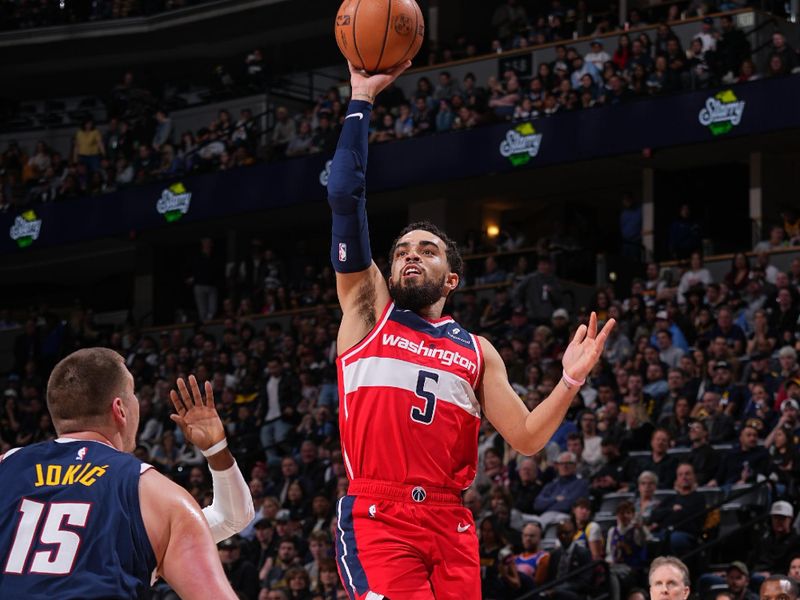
(197, 416)
(372, 85)
(585, 348)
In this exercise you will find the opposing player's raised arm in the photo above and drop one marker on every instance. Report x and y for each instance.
(187, 557)
(360, 285)
(529, 431)
(196, 415)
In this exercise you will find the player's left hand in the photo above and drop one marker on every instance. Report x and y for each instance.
(585, 348)
(197, 416)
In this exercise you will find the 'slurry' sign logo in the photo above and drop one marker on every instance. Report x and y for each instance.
(521, 144)
(26, 229)
(722, 113)
(174, 202)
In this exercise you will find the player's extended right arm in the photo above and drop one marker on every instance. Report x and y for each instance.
(358, 280)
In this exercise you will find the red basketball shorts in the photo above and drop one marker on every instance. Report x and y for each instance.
(405, 542)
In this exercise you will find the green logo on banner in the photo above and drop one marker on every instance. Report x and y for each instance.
(521, 144)
(26, 229)
(722, 113)
(174, 202)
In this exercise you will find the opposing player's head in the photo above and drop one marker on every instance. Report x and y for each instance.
(426, 266)
(92, 390)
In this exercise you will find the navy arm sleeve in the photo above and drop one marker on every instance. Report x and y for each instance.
(350, 248)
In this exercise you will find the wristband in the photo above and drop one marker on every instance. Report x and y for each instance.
(570, 380)
(220, 445)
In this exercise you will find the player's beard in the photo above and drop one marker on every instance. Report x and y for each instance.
(416, 296)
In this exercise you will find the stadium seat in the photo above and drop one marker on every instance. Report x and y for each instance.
(756, 496)
(680, 453)
(712, 495)
(611, 501)
(605, 522)
(663, 495)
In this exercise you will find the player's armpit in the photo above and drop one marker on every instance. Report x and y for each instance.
(186, 554)
(363, 296)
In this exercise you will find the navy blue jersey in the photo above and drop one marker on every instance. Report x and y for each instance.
(71, 525)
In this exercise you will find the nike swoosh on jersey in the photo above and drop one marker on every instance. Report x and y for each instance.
(358, 114)
(462, 528)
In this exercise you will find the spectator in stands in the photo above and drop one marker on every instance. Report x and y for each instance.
(508, 20)
(775, 241)
(678, 521)
(587, 532)
(532, 562)
(241, 573)
(703, 457)
(617, 473)
(303, 142)
(675, 417)
(773, 550)
(566, 559)
(622, 54)
(540, 292)
(695, 276)
(645, 501)
(283, 132)
(794, 568)
(659, 462)
(630, 225)
(205, 279)
(685, 235)
(720, 425)
(556, 499)
(597, 57)
(88, 146)
(743, 464)
(278, 410)
(781, 49)
(737, 576)
(527, 485)
(163, 133)
(732, 46)
(626, 548)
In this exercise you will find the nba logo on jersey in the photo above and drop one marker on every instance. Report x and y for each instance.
(342, 252)
(81, 453)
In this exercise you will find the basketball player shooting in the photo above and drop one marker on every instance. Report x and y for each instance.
(413, 386)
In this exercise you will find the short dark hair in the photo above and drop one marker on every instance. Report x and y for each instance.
(83, 385)
(451, 248)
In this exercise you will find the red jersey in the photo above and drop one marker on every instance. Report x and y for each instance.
(408, 410)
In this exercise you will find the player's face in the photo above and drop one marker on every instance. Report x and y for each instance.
(420, 273)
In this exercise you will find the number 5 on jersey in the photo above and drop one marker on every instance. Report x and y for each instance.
(425, 416)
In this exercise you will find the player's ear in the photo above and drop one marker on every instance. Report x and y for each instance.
(118, 411)
(451, 282)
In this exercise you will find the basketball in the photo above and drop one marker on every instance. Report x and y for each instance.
(376, 35)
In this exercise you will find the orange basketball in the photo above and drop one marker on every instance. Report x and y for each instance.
(376, 35)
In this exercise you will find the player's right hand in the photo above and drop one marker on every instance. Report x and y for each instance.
(197, 415)
(372, 85)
